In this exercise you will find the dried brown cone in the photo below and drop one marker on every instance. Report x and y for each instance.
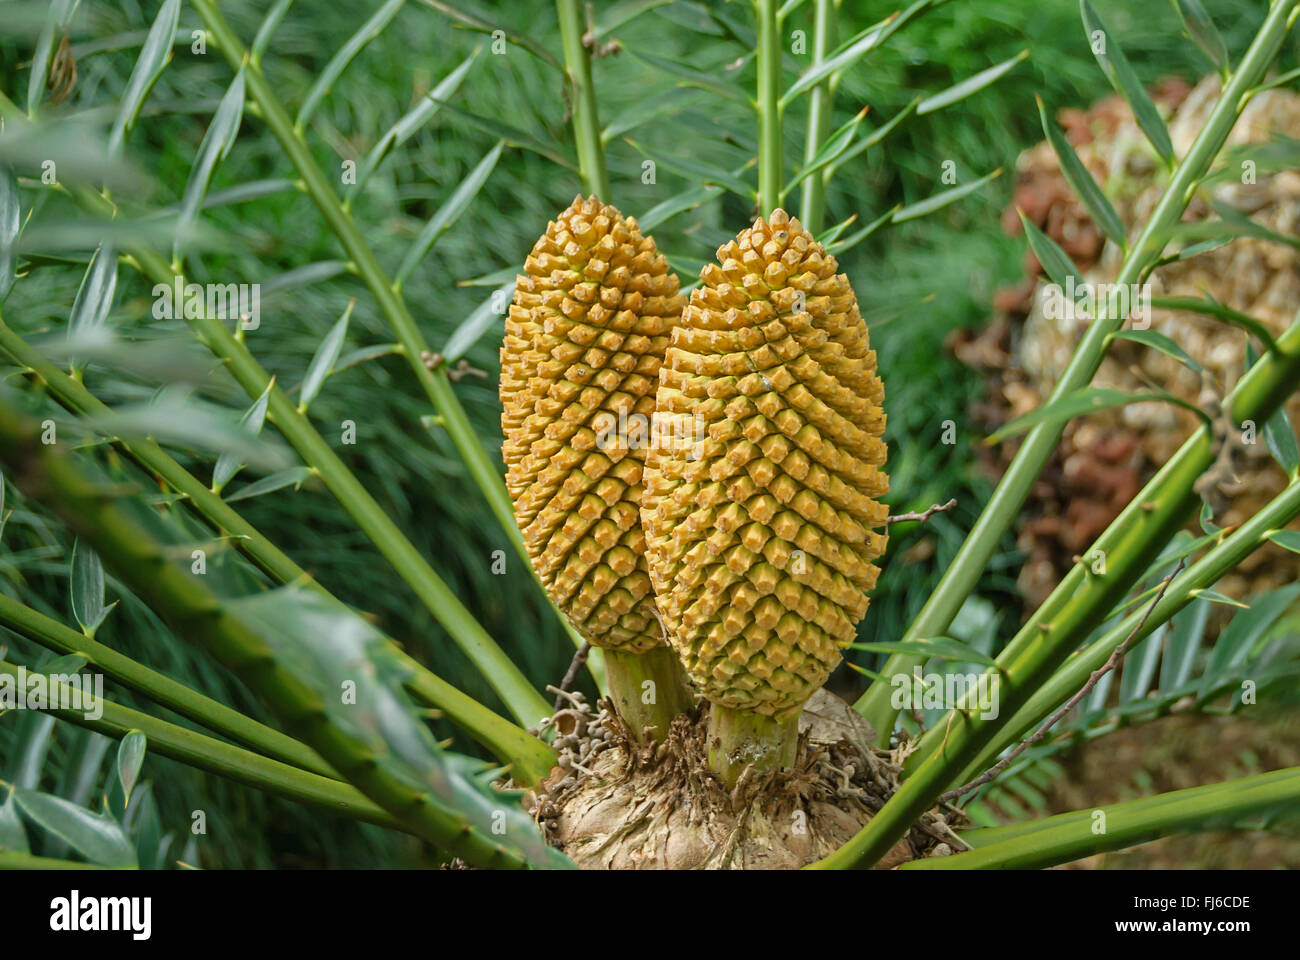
(585, 337)
(1256, 277)
(762, 486)
(1022, 354)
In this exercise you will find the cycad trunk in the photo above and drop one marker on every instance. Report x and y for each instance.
(612, 805)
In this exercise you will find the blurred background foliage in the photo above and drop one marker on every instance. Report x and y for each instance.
(916, 283)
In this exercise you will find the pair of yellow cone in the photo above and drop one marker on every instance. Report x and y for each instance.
(717, 461)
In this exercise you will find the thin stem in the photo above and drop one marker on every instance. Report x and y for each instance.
(1130, 544)
(582, 101)
(648, 690)
(739, 740)
(530, 759)
(1072, 836)
(233, 763)
(431, 810)
(1112, 662)
(162, 690)
(1202, 575)
(923, 515)
(770, 152)
(570, 675)
(435, 382)
(812, 209)
(968, 565)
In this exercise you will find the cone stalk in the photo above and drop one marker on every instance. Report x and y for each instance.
(739, 739)
(648, 690)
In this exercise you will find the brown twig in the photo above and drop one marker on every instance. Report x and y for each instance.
(463, 369)
(432, 361)
(571, 674)
(589, 41)
(1111, 663)
(923, 515)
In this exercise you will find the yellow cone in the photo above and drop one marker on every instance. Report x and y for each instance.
(760, 516)
(585, 338)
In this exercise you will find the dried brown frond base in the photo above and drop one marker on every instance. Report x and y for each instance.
(612, 805)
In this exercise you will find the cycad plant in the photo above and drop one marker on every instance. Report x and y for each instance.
(695, 483)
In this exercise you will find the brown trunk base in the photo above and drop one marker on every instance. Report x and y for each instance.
(614, 805)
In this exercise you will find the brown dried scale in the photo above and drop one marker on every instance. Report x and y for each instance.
(762, 489)
(585, 337)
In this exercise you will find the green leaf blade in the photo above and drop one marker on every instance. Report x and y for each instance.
(514, 136)
(86, 586)
(368, 31)
(1079, 403)
(1113, 63)
(13, 837)
(1056, 263)
(969, 86)
(10, 225)
(1281, 440)
(706, 173)
(940, 200)
(1208, 307)
(217, 143)
(1185, 638)
(413, 120)
(945, 648)
(1158, 341)
(839, 247)
(853, 50)
(478, 323)
(834, 147)
(1287, 539)
(449, 212)
(689, 76)
(1203, 32)
(228, 464)
(293, 477)
(130, 758)
(1085, 187)
(154, 57)
(99, 839)
(323, 360)
(94, 300)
